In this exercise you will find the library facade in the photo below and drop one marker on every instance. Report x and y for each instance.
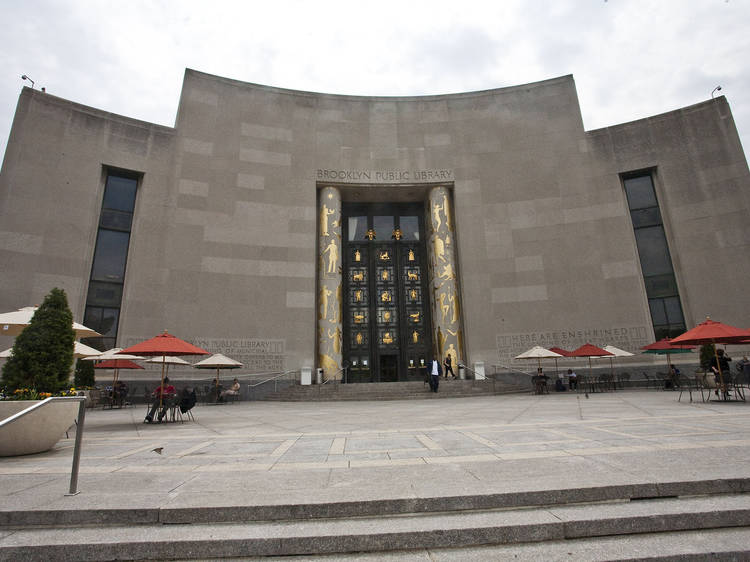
(290, 229)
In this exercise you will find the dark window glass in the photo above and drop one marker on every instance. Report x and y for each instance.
(119, 194)
(383, 226)
(116, 220)
(661, 332)
(674, 311)
(409, 228)
(652, 248)
(104, 294)
(103, 320)
(357, 228)
(646, 217)
(640, 192)
(658, 312)
(660, 286)
(110, 256)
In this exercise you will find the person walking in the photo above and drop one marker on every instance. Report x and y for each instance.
(435, 372)
(448, 363)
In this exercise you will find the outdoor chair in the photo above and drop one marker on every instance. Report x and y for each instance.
(686, 384)
(623, 379)
(606, 382)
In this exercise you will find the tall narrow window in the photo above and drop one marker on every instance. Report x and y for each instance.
(656, 262)
(107, 278)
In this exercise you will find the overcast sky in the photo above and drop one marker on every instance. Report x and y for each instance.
(630, 59)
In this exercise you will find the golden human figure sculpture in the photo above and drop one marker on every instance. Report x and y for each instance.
(439, 247)
(384, 276)
(357, 255)
(333, 255)
(358, 338)
(325, 292)
(385, 296)
(413, 294)
(335, 336)
(446, 208)
(436, 216)
(447, 272)
(415, 336)
(444, 307)
(452, 352)
(411, 254)
(387, 338)
(454, 303)
(358, 295)
(325, 212)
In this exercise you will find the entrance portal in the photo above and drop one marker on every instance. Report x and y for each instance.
(386, 306)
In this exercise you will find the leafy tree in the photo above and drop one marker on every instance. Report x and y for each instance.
(707, 356)
(84, 375)
(43, 352)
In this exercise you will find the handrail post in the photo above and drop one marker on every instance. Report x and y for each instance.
(77, 448)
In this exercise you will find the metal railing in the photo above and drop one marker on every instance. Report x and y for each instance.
(79, 421)
(338, 380)
(285, 376)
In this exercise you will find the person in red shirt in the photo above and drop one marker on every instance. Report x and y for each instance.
(162, 396)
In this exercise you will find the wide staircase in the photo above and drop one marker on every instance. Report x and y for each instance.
(411, 390)
(696, 520)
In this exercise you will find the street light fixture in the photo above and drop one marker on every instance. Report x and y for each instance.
(716, 89)
(24, 77)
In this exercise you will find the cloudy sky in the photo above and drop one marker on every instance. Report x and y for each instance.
(630, 59)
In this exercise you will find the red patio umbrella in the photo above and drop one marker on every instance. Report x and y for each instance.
(713, 332)
(163, 345)
(590, 350)
(116, 364)
(665, 347)
(559, 351)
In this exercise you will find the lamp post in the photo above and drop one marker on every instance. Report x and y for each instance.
(716, 89)
(24, 77)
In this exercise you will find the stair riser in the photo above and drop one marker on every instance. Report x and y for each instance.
(439, 538)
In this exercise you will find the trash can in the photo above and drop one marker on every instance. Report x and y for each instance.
(479, 370)
(305, 377)
(318, 376)
(462, 372)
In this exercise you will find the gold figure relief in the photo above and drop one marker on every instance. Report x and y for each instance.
(325, 212)
(454, 304)
(386, 316)
(384, 275)
(325, 292)
(444, 307)
(415, 336)
(447, 272)
(336, 316)
(411, 254)
(358, 295)
(385, 296)
(357, 256)
(414, 317)
(397, 234)
(452, 352)
(370, 235)
(359, 318)
(333, 255)
(412, 276)
(439, 247)
(358, 276)
(385, 256)
(413, 294)
(387, 338)
(446, 212)
(436, 217)
(358, 338)
(335, 337)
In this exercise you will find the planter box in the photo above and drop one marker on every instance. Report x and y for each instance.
(34, 426)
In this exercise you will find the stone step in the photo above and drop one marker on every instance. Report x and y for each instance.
(459, 528)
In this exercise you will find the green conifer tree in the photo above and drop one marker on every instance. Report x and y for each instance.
(707, 356)
(43, 352)
(84, 376)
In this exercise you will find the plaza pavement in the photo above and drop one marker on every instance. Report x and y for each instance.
(273, 453)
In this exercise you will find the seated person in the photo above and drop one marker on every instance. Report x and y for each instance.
(572, 380)
(187, 400)
(120, 392)
(162, 396)
(234, 390)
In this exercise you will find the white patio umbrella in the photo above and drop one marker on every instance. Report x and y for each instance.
(538, 352)
(80, 351)
(217, 361)
(616, 352)
(13, 323)
(167, 360)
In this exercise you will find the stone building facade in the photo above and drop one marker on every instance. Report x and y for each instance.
(288, 229)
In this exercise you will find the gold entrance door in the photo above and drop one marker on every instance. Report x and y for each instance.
(386, 315)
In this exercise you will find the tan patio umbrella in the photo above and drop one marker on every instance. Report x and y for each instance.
(167, 360)
(218, 362)
(13, 323)
(80, 351)
(538, 352)
(590, 350)
(616, 352)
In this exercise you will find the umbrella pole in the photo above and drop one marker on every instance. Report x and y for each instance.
(217, 384)
(161, 388)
